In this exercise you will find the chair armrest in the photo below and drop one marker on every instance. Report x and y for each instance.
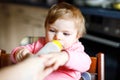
(5, 60)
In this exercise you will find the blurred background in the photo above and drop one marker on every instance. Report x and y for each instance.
(22, 21)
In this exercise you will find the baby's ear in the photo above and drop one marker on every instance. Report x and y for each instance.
(78, 35)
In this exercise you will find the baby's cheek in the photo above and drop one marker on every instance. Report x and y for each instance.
(66, 45)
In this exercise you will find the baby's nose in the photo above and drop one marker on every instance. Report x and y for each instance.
(58, 36)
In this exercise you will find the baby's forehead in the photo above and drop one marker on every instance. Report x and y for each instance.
(63, 22)
(66, 25)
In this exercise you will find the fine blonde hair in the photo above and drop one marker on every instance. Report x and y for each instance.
(65, 10)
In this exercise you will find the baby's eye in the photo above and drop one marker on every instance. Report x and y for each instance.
(66, 34)
(51, 30)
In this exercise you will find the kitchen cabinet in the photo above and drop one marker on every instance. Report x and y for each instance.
(103, 23)
(103, 35)
(23, 21)
(100, 12)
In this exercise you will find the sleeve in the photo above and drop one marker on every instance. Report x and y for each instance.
(32, 48)
(78, 59)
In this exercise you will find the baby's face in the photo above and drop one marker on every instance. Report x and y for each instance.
(62, 30)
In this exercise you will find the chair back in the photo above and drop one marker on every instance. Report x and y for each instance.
(97, 67)
(96, 71)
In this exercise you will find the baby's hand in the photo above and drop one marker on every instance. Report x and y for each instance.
(21, 54)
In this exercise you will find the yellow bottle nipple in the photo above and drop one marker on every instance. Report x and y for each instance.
(56, 42)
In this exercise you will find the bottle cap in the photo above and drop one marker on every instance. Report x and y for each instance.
(58, 43)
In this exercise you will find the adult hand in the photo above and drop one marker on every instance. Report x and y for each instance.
(32, 68)
(56, 59)
(37, 67)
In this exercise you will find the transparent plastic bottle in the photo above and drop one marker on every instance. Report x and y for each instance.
(53, 46)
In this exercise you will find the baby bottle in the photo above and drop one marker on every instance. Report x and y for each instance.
(53, 46)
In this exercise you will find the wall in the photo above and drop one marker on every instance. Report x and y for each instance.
(19, 21)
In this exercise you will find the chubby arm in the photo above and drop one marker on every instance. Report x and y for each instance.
(78, 59)
(23, 50)
(73, 58)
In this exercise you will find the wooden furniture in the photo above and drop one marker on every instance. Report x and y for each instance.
(97, 67)
(18, 21)
(4, 59)
(2, 51)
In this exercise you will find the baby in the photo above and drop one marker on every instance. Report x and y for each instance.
(66, 24)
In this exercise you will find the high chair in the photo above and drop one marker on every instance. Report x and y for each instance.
(96, 71)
